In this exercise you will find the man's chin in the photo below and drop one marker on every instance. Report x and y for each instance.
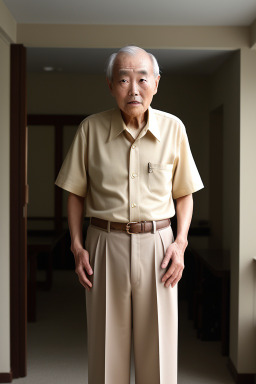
(134, 109)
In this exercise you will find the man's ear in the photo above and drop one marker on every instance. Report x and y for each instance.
(157, 79)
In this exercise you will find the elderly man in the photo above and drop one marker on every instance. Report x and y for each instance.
(128, 165)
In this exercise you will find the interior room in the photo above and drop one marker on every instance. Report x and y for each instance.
(52, 76)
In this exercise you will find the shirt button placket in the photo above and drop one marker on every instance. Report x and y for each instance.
(134, 183)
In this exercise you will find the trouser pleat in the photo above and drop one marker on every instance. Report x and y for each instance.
(154, 314)
(96, 314)
(145, 322)
(110, 331)
(167, 313)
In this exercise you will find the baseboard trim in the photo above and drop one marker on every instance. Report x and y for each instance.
(240, 378)
(6, 377)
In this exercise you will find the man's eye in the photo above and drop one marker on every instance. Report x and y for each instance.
(123, 81)
(143, 80)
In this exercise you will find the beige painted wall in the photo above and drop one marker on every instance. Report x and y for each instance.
(147, 36)
(4, 205)
(7, 35)
(246, 354)
(253, 35)
(225, 90)
(8, 25)
(187, 97)
(234, 86)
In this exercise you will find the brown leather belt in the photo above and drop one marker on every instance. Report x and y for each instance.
(131, 227)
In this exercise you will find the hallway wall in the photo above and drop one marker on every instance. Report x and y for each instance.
(234, 86)
(225, 90)
(246, 351)
(4, 205)
(8, 30)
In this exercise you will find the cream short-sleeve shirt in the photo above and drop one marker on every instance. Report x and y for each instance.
(125, 180)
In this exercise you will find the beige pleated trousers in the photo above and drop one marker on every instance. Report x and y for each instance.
(128, 299)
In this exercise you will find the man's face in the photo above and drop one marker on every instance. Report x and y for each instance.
(133, 84)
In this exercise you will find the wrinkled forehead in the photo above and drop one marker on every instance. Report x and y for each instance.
(140, 62)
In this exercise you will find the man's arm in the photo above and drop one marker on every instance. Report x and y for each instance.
(175, 252)
(75, 222)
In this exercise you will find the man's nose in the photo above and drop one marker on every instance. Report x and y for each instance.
(134, 89)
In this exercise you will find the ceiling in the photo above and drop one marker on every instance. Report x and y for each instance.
(134, 12)
(93, 61)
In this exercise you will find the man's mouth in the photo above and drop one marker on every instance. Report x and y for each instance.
(134, 102)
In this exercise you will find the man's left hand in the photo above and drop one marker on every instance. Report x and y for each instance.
(175, 254)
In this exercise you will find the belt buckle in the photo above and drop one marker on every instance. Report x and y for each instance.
(127, 227)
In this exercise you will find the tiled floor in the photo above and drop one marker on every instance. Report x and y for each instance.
(57, 341)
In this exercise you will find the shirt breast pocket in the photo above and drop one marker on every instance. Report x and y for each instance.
(160, 179)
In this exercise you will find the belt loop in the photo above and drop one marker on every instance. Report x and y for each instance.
(153, 226)
(108, 226)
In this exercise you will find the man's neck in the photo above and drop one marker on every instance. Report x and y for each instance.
(137, 122)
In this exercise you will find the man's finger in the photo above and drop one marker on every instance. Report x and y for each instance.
(175, 281)
(175, 276)
(81, 272)
(166, 260)
(168, 256)
(88, 268)
(169, 272)
(172, 280)
(83, 259)
(84, 280)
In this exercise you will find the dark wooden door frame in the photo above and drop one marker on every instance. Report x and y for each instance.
(18, 219)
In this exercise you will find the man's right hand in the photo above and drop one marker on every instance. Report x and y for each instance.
(75, 222)
(83, 267)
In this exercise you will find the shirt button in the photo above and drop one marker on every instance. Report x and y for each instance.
(134, 175)
(133, 205)
(133, 146)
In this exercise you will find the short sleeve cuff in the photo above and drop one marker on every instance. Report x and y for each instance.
(71, 188)
(187, 191)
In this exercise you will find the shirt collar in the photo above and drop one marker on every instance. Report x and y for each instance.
(118, 126)
(153, 124)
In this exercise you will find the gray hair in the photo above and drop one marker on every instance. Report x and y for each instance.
(131, 50)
